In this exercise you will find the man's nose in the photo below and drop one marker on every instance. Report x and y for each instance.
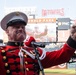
(20, 29)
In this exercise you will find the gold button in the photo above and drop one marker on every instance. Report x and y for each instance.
(32, 53)
(25, 56)
(4, 57)
(27, 69)
(8, 71)
(3, 51)
(26, 62)
(6, 64)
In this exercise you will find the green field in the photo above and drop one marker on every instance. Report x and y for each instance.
(60, 71)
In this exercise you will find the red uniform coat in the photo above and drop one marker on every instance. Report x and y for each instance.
(10, 60)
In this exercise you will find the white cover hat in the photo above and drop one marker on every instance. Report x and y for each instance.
(13, 17)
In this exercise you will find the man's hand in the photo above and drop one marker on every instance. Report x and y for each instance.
(73, 32)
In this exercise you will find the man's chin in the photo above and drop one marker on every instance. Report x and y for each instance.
(20, 39)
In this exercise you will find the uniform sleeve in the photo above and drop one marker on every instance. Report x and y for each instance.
(60, 56)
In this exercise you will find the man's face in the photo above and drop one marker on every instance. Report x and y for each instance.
(16, 32)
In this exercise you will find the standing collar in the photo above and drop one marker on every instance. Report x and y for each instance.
(15, 43)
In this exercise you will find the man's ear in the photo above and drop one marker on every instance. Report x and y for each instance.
(7, 31)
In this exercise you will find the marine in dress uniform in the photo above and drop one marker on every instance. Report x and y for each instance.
(17, 59)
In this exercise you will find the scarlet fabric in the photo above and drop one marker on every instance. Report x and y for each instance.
(31, 67)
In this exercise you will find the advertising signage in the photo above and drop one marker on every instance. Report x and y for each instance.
(42, 32)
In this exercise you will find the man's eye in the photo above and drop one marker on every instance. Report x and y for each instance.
(17, 27)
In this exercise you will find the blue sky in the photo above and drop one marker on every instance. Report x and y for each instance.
(68, 5)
